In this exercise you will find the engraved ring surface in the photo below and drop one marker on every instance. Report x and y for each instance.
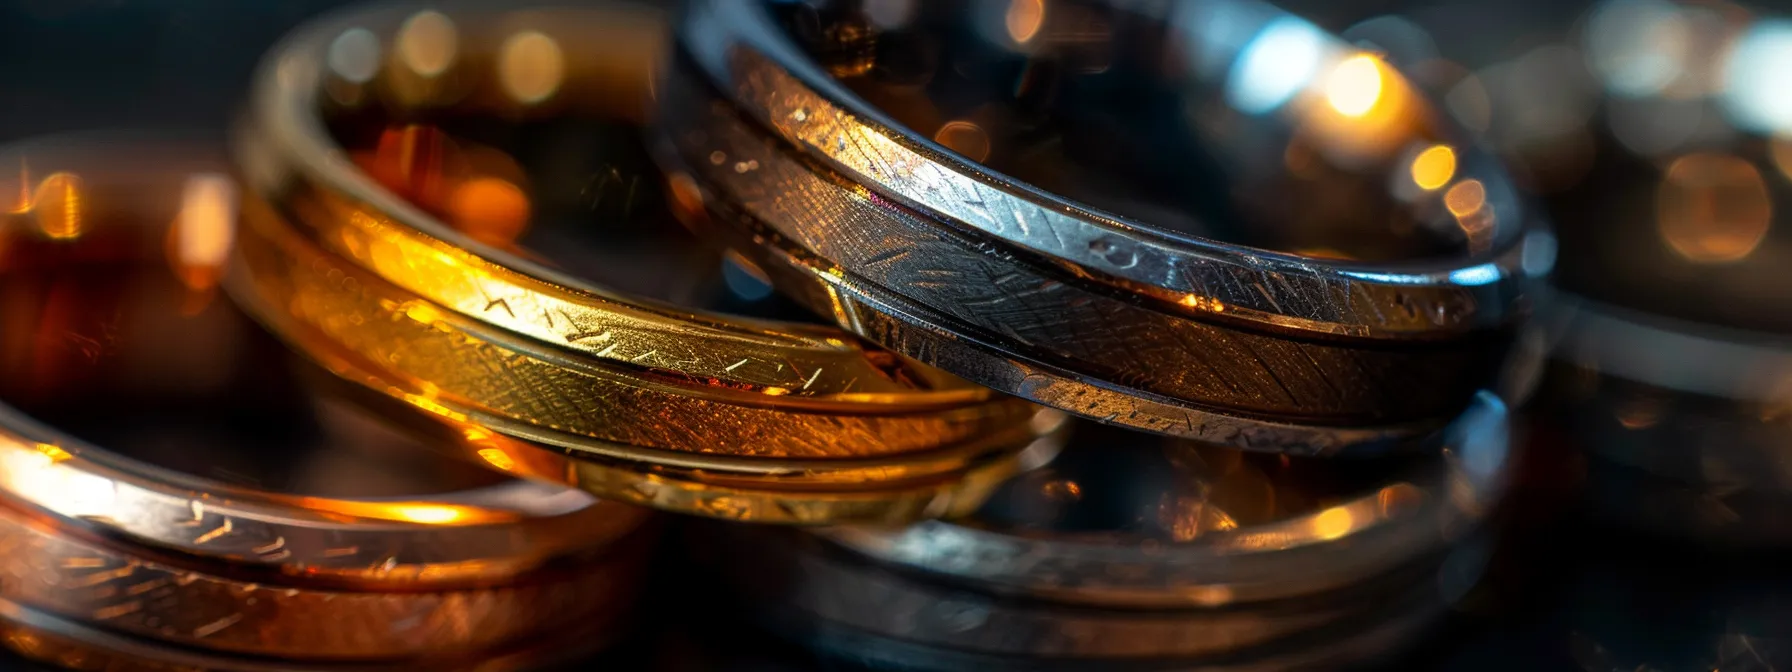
(90, 534)
(904, 237)
(639, 399)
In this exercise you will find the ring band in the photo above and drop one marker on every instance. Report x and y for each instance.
(670, 379)
(192, 560)
(344, 317)
(800, 424)
(1366, 535)
(1230, 564)
(39, 636)
(943, 260)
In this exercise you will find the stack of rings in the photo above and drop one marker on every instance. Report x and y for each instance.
(177, 492)
(633, 398)
(441, 207)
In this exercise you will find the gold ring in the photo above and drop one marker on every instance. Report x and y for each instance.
(185, 531)
(452, 321)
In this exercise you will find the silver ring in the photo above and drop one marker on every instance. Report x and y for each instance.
(1260, 589)
(1364, 535)
(901, 240)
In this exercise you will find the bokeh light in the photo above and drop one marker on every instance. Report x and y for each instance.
(354, 55)
(1713, 208)
(1278, 63)
(428, 43)
(1433, 168)
(531, 67)
(1024, 19)
(57, 204)
(1637, 47)
(1355, 85)
(1757, 89)
(964, 137)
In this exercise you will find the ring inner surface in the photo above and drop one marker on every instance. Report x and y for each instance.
(120, 339)
(580, 195)
(1123, 487)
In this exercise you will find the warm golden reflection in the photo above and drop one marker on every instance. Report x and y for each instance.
(424, 513)
(964, 137)
(1199, 302)
(1713, 208)
(1024, 18)
(23, 204)
(428, 43)
(1187, 518)
(497, 458)
(1465, 198)
(428, 514)
(1781, 147)
(57, 204)
(1334, 523)
(491, 210)
(1063, 490)
(1361, 112)
(204, 230)
(531, 67)
(1434, 167)
(40, 473)
(1355, 85)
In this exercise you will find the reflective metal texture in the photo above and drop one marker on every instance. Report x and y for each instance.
(168, 471)
(1651, 130)
(1139, 552)
(496, 246)
(1204, 219)
(72, 645)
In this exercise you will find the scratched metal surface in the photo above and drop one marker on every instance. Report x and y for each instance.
(739, 46)
(888, 254)
(1029, 322)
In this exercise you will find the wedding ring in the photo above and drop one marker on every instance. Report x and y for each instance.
(1236, 255)
(72, 645)
(169, 472)
(434, 281)
(1131, 547)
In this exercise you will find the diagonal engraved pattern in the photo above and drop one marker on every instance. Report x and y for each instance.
(342, 539)
(998, 298)
(294, 163)
(1284, 291)
(510, 378)
(50, 570)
